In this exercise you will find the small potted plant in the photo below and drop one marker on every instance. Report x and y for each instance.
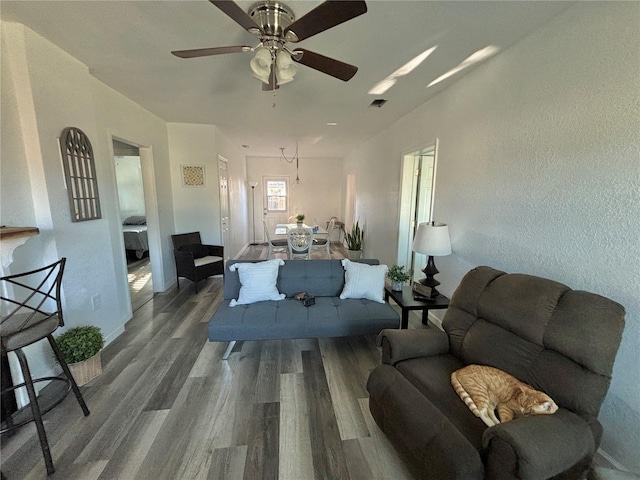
(355, 240)
(80, 347)
(300, 218)
(398, 275)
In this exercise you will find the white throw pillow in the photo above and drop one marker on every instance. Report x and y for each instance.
(363, 281)
(258, 281)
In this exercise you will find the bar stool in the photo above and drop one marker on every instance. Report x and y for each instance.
(28, 322)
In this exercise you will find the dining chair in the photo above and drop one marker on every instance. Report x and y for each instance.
(325, 243)
(275, 245)
(30, 320)
(300, 241)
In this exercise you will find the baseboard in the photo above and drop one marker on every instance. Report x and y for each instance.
(242, 251)
(612, 461)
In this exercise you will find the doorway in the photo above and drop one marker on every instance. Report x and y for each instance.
(133, 219)
(416, 203)
(223, 182)
(275, 202)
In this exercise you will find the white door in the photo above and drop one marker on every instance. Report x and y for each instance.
(275, 203)
(224, 203)
(416, 204)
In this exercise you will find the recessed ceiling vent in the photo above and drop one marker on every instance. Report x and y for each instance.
(378, 103)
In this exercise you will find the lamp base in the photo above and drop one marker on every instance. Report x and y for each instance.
(430, 271)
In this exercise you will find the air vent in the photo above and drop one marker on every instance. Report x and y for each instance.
(378, 102)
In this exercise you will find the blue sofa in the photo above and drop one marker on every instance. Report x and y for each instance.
(289, 318)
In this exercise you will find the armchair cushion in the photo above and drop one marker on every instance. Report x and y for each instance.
(198, 250)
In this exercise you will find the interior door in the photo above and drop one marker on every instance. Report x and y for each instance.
(224, 203)
(416, 204)
(275, 203)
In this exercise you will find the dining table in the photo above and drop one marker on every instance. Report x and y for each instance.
(282, 229)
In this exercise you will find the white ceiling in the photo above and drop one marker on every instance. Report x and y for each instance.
(126, 45)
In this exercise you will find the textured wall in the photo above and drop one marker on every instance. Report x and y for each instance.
(538, 172)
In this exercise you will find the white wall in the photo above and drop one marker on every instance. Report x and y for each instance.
(318, 197)
(45, 90)
(538, 172)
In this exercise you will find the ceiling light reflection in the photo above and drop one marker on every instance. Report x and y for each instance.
(381, 87)
(476, 57)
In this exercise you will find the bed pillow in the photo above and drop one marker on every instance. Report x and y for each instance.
(258, 281)
(363, 281)
(135, 220)
(198, 250)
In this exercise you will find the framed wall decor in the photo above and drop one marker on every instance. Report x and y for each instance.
(79, 175)
(192, 175)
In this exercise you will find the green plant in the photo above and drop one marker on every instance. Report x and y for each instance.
(300, 217)
(355, 237)
(79, 343)
(397, 273)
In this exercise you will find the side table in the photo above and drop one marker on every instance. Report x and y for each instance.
(405, 301)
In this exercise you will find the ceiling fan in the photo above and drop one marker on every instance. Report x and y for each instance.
(274, 24)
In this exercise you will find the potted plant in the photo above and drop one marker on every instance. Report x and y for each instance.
(398, 275)
(355, 240)
(300, 218)
(80, 347)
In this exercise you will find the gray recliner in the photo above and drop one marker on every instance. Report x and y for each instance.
(558, 340)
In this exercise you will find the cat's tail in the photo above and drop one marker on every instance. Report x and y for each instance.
(464, 396)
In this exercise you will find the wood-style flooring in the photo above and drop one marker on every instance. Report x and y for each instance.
(168, 407)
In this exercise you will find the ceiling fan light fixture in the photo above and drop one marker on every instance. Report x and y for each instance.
(261, 64)
(285, 67)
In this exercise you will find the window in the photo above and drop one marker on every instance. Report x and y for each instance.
(276, 196)
(80, 175)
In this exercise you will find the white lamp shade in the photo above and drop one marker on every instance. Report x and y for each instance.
(285, 67)
(261, 65)
(432, 239)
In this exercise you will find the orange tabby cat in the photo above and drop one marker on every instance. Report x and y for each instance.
(486, 389)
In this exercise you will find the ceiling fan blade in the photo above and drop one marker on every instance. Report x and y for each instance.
(325, 16)
(273, 84)
(204, 52)
(232, 10)
(330, 66)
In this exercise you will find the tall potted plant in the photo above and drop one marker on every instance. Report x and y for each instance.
(80, 347)
(354, 239)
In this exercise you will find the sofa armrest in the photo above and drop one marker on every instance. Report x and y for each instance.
(398, 345)
(538, 446)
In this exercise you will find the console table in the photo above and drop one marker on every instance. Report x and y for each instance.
(404, 299)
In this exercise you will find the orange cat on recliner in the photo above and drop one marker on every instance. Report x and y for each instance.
(486, 389)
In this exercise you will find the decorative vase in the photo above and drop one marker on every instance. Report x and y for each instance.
(85, 371)
(299, 224)
(396, 286)
(354, 254)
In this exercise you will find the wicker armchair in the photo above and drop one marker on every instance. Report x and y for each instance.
(194, 260)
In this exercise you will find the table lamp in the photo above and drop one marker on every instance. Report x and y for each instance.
(432, 239)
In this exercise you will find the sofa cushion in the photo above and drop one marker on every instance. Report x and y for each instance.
(289, 318)
(258, 282)
(363, 281)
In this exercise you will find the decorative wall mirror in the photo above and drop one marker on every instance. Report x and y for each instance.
(80, 175)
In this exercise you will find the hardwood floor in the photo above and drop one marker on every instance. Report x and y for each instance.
(140, 284)
(168, 407)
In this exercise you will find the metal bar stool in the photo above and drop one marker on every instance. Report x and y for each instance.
(28, 322)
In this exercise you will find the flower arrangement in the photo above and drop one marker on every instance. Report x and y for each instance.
(300, 217)
(397, 273)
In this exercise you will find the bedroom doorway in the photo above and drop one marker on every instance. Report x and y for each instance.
(133, 220)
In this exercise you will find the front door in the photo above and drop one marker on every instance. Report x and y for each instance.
(275, 203)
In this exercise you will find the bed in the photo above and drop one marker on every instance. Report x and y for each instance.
(134, 230)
